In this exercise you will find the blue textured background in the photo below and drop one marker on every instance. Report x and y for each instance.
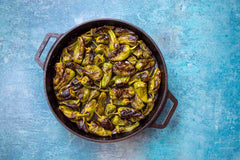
(200, 43)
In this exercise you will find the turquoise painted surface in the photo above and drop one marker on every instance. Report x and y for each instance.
(200, 41)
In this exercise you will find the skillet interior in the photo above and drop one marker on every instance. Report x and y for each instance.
(54, 55)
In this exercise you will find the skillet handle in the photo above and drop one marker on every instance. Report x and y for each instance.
(170, 113)
(42, 47)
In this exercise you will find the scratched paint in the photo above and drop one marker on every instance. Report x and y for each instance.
(200, 43)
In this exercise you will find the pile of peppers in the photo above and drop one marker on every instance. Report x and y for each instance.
(106, 81)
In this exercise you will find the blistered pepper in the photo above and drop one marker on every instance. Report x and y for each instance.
(65, 94)
(141, 90)
(137, 103)
(128, 39)
(113, 43)
(82, 125)
(65, 56)
(132, 59)
(126, 112)
(88, 59)
(128, 128)
(102, 39)
(93, 94)
(120, 54)
(86, 82)
(83, 94)
(144, 64)
(120, 93)
(110, 109)
(121, 102)
(76, 67)
(87, 38)
(154, 82)
(101, 101)
(119, 81)
(96, 129)
(138, 53)
(59, 68)
(116, 120)
(70, 113)
(107, 74)
(146, 51)
(101, 49)
(78, 50)
(105, 122)
(140, 76)
(98, 60)
(123, 68)
(93, 71)
(67, 77)
(89, 109)
(74, 104)
(149, 107)
(123, 31)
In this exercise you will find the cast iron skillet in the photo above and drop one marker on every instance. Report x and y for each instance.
(62, 40)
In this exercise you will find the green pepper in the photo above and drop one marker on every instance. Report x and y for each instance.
(93, 94)
(101, 49)
(101, 103)
(96, 129)
(89, 109)
(100, 30)
(74, 104)
(87, 38)
(59, 68)
(88, 59)
(70, 113)
(86, 82)
(126, 112)
(134, 119)
(130, 40)
(65, 93)
(75, 84)
(116, 120)
(78, 50)
(67, 77)
(121, 102)
(107, 74)
(110, 109)
(82, 126)
(140, 76)
(98, 60)
(65, 56)
(138, 53)
(141, 90)
(105, 122)
(119, 81)
(132, 59)
(120, 93)
(122, 129)
(123, 68)
(93, 71)
(137, 103)
(123, 31)
(149, 107)
(146, 51)
(154, 82)
(83, 94)
(113, 43)
(74, 66)
(121, 54)
(102, 39)
(144, 64)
